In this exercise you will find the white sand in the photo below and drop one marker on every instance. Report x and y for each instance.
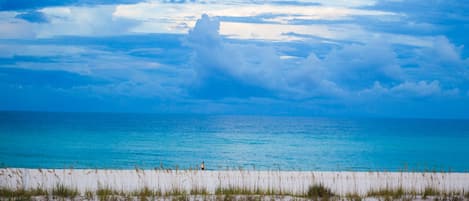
(285, 181)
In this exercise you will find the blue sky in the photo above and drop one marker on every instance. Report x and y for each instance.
(377, 58)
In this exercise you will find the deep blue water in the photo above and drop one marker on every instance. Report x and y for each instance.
(106, 140)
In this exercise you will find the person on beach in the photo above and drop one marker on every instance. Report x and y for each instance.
(202, 166)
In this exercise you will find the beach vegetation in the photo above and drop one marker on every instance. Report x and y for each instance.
(145, 193)
(387, 193)
(175, 192)
(89, 195)
(61, 190)
(353, 197)
(232, 191)
(106, 193)
(199, 191)
(182, 197)
(242, 190)
(229, 197)
(429, 191)
(317, 191)
(8, 193)
(248, 191)
(21, 192)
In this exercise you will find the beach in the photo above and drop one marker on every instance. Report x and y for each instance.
(341, 183)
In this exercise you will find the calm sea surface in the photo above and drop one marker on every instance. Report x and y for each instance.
(105, 140)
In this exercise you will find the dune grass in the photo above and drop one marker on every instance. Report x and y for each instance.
(105, 193)
(89, 195)
(353, 197)
(176, 192)
(387, 192)
(199, 191)
(233, 191)
(317, 192)
(146, 192)
(61, 190)
(429, 191)
(248, 191)
(10, 193)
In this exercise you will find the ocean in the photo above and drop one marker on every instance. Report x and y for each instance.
(148, 141)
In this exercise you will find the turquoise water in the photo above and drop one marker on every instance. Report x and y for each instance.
(106, 140)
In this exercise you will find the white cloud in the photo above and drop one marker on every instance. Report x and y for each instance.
(190, 11)
(262, 66)
(177, 18)
(418, 89)
(342, 72)
(83, 21)
(442, 61)
(271, 22)
(276, 32)
(237, 65)
(421, 88)
(10, 27)
(345, 3)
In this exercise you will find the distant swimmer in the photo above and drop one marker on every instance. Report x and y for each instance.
(202, 166)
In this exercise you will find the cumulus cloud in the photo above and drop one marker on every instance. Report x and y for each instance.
(357, 66)
(205, 32)
(257, 70)
(226, 69)
(407, 89)
(346, 70)
(441, 61)
(230, 64)
(421, 88)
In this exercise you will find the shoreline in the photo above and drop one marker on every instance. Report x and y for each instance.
(247, 168)
(284, 182)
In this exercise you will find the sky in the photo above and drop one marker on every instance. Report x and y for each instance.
(364, 58)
